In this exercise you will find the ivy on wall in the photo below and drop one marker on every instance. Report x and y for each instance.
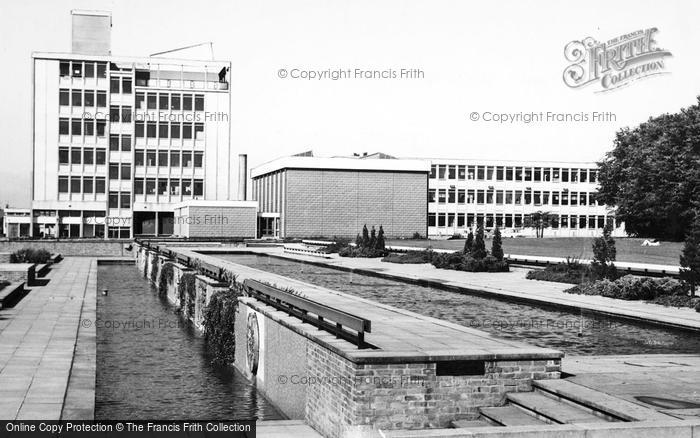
(186, 289)
(220, 320)
(167, 274)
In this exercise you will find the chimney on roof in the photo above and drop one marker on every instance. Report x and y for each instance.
(92, 32)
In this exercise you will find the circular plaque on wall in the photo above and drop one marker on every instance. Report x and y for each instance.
(253, 343)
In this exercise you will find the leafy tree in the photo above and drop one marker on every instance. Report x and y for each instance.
(365, 237)
(358, 240)
(604, 254)
(539, 220)
(479, 248)
(373, 238)
(690, 257)
(497, 245)
(469, 243)
(381, 243)
(652, 175)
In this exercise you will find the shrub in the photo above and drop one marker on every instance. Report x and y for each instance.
(666, 291)
(30, 255)
(353, 251)
(572, 272)
(479, 249)
(465, 262)
(411, 257)
(690, 257)
(336, 246)
(497, 245)
(366, 246)
(417, 236)
(469, 243)
(604, 254)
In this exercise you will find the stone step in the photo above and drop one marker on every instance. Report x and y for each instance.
(599, 401)
(463, 424)
(510, 416)
(551, 409)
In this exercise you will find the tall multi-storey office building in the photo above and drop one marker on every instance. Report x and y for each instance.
(464, 193)
(119, 142)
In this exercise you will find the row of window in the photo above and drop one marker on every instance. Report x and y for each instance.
(84, 184)
(165, 186)
(119, 171)
(169, 101)
(76, 155)
(119, 200)
(69, 213)
(119, 142)
(470, 220)
(512, 173)
(120, 85)
(78, 98)
(165, 130)
(510, 197)
(86, 127)
(169, 159)
(81, 69)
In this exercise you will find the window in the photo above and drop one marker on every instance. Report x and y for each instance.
(151, 158)
(77, 69)
(555, 198)
(88, 185)
(138, 186)
(489, 196)
(163, 101)
(88, 156)
(518, 173)
(187, 102)
(442, 196)
(199, 157)
(479, 196)
(163, 129)
(199, 102)
(76, 98)
(175, 187)
(89, 127)
(528, 174)
(431, 195)
(101, 69)
(565, 175)
(64, 68)
(125, 200)
(584, 175)
(113, 113)
(489, 173)
(100, 157)
(175, 102)
(574, 198)
(518, 197)
(126, 85)
(99, 184)
(187, 159)
(431, 219)
(174, 130)
(509, 197)
(574, 175)
(499, 197)
(151, 129)
(162, 186)
(140, 101)
(163, 159)
(89, 98)
(151, 101)
(114, 85)
(461, 173)
(139, 157)
(126, 143)
(198, 188)
(63, 156)
(63, 98)
(594, 177)
(101, 128)
(538, 174)
(62, 184)
(113, 142)
(75, 155)
(187, 131)
(509, 174)
(139, 129)
(537, 198)
(460, 220)
(101, 99)
(113, 171)
(150, 186)
(113, 200)
(199, 131)
(126, 114)
(126, 171)
(480, 173)
(75, 184)
(89, 70)
(63, 128)
(451, 170)
(499, 173)
(461, 196)
(451, 194)
(583, 198)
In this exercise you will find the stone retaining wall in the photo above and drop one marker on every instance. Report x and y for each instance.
(75, 247)
(18, 272)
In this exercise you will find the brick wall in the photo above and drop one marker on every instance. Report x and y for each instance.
(12, 272)
(219, 221)
(339, 202)
(86, 248)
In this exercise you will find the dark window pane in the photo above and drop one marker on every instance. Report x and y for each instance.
(99, 185)
(89, 98)
(113, 200)
(174, 159)
(101, 69)
(64, 68)
(198, 156)
(63, 156)
(89, 70)
(89, 127)
(199, 103)
(126, 171)
(126, 143)
(76, 126)
(163, 129)
(163, 101)
(126, 86)
(75, 156)
(187, 102)
(151, 101)
(87, 185)
(101, 125)
(187, 130)
(101, 99)
(174, 130)
(113, 171)
(88, 155)
(100, 157)
(113, 142)
(63, 97)
(175, 102)
(139, 129)
(63, 126)
(77, 69)
(63, 184)
(114, 85)
(76, 98)
(151, 129)
(75, 184)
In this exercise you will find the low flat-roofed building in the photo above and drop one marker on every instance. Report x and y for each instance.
(307, 196)
(17, 222)
(214, 219)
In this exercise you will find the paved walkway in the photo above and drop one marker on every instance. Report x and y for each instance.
(37, 342)
(668, 383)
(510, 284)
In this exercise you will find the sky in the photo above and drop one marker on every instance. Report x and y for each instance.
(503, 57)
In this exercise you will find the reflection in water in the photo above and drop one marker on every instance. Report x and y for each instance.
(153, 365)
(572, 332)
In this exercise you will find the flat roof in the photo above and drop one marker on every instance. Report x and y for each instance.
(498, 162)
(147, 60)
(341, 163)
(205, 203)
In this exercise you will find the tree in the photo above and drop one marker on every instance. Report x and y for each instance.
(479, 248)
(497, 245)
(652, 175)
(539, 220)
(358, 240)
(469, 243)
(381, 243)
(690, 257)
(365, 237)
(604, 254)
(373, 238)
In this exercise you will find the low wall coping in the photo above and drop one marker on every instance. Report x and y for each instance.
(15, 267)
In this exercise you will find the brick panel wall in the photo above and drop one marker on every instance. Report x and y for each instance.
(339, 202)
(220, 221)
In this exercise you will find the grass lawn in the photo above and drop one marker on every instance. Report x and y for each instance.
(629, 249)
